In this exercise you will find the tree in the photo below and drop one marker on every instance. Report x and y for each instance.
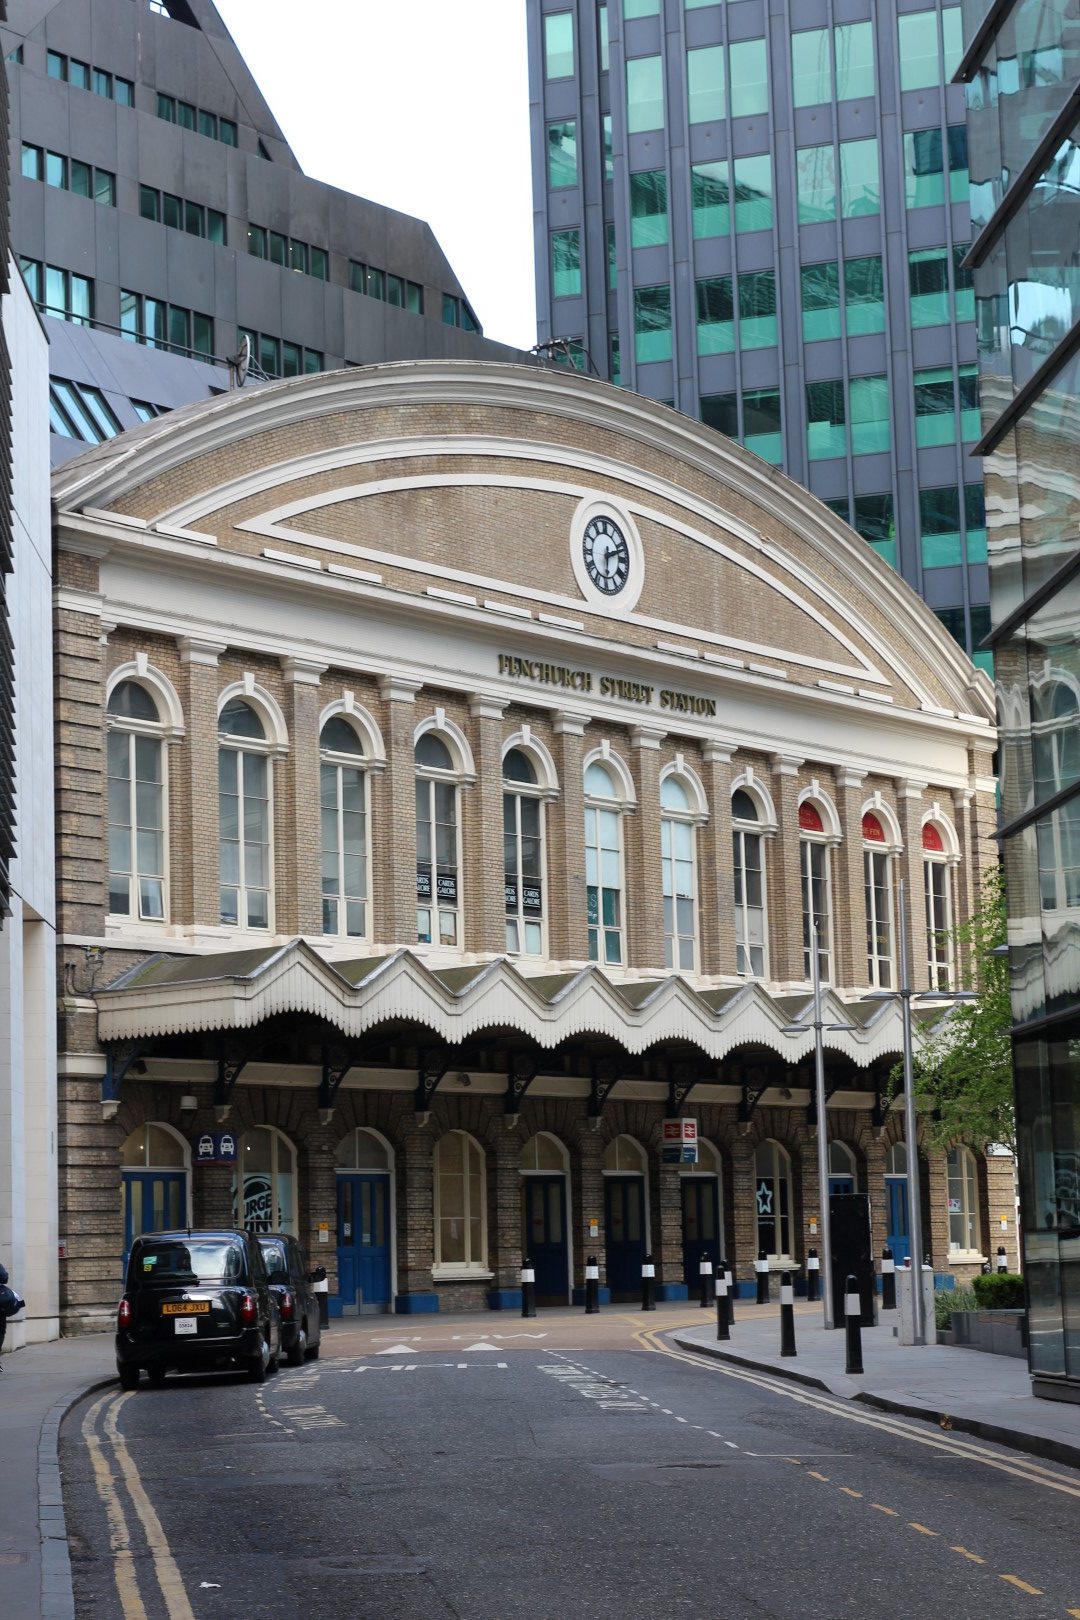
(964, 1065)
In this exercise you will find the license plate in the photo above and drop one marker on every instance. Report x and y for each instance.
(186, 1324)
(190, 1307)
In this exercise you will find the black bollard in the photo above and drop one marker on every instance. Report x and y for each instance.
(787, 1315)
(729, 1278)
(852, 1321)
(761, 1266)
(705, 1276)
(528, 1288)
(888, 1280)
(813, 1276)
(723, 1328)
(592, 1286)
(648, 1274)
(1002, 1258)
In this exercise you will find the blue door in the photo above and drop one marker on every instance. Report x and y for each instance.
(624, 1229)
(544, 1236)
(154, 1201)
(841, 1184)
(363, 1242)
(898, 1237)
(701, 1226)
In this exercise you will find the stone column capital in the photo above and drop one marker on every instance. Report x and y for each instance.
(195, 650)
(485, 706)
(646, 737)
(396, 689)
(302, 671)
(850, 779)
(718, 753)
(908, 788)
(569, 723)
(786, 764)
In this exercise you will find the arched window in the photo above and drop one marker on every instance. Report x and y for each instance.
(749, 861)
(460, 1204)
(963, 1200)
(523, 852)
(1055, 735)
(625, 1157)
(773, 1202)
(604, 891)
(678, 866)
(137, 799)
(154, 1147)
(814, 865)
(842, 1175)
(245, 817)
(544, 1152)
(896, 1159)
(438, 843)
(268, 1176)
(937, 891)
(363, 1150)
(344, 812)
(878, 891)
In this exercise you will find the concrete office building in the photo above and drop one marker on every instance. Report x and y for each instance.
(159, 216)
(1022, 70)
(758, 212)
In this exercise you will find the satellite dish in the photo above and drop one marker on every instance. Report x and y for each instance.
(241, 361)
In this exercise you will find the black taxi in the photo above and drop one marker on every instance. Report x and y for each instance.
(194, 1301)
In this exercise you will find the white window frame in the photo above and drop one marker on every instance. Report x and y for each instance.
(469, 1268)
(764, 828)
(710, 1167)
(540, 791)
(808, 843)
(430, 776)
(781, 1171)
(262, 747)
(340, 762)
(887, 851)
(962, 1178)
(157, 730)
(276, 1138)
(693, 817)
(618, 805)
(940, 963)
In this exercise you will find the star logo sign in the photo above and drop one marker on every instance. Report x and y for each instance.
(764, 1198)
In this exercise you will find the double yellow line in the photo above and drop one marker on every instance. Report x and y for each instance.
(104, 1454)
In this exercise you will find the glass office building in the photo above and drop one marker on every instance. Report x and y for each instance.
(1021, 67)
(758, 212)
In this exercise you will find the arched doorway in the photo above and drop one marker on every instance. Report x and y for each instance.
(365, 1232)
(545, 1164)
(841, 1168)
(898, 1233)
(625, 1216)
(154, 1182)
(702, 1219)
(267, 1166)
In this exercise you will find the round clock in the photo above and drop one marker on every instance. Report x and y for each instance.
(606, 555)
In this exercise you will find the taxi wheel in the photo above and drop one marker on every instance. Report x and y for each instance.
(129, 1377)
(313, 1352)
(156, 1376)
(257, 1369)
(298, 1349)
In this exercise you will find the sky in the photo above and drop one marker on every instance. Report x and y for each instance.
(422, 105)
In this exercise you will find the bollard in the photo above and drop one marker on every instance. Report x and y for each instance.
(852, 1321)
(787, 1315)
(592, 1286)
(725, 1266)
(723, 1328)
(888, 1280)
(1002, 1258)
(761, 1266)
(813, 1276)
(528, 1288)
(321, 1289)
(705, 1275)
(648, 1273)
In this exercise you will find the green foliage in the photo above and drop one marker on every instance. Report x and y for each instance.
(964, 1067)
(947, 1300)
(1001, 1291)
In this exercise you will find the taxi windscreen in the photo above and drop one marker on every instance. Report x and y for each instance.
(187, 1263)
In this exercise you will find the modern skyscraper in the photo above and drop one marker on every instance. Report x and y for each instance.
(1022, 70)
(160, 218)
(758, 212)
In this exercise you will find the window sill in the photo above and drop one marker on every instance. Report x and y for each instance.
(967, 1257)
(461, 1274)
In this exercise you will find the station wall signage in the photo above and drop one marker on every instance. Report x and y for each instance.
(586, 681)
(215, 1147)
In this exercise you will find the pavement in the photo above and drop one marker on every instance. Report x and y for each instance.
(958, 1389)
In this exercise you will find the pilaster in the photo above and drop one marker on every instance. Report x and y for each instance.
(849, 903)
(197, 898)
(667, 1225)
(393, 819)
(644, 890)
(715, 865)
(415, 1210)
(504, 1222)
(81, 808)
(784, 879)
(743, 1252)
(568, 928)
(298, 833)
(587, 1191)
(909, 804)
(485, 905)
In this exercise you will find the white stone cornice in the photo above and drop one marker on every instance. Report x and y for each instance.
(718, 753)
(485, 706)
(850, 779)
(69, 601)
(302, 671)
(193, 650)
(908, 788)
(570, 723)
(397, 690)
(646, 737)
(787, 764)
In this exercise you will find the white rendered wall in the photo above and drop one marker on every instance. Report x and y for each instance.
(28, 1189)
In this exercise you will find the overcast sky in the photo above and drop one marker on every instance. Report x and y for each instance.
(419, 104)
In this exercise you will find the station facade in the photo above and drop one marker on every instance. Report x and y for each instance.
(453, 760)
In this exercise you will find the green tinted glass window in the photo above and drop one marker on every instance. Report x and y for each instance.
(227, 133)
(964, 282)
(609, 160)
(970, 422)
(615, 357)
(715, 315)
(749, 78)
(710, 197)
(753, 193)
(826, 420)
(924, 179)
(920, 61)
(939, 528)
(56, 170)
(79, 74)
(705, 83)
(559, 45)
(185, 114)
(952, 35)
(612, 260)
(864, 295)
(55, 65)
(33, 162)
(935, 408)
(215, 226)
(602, 31)
(875, 519)
(928, 286)
(820, 301)
(959, 185)
(641, 8)
(644, 94)
(208, 125)
(815, 168)
(860, 187)
(149, 203)
(757, 309)
(869, 415)
(721, 413)
(562, 154)
(166, 108)
(648, 208)
(762, 424)
(854, 55)
(652, 323)
(104, 187)
(839, 505)
(811, 84)
(81, 177)
(975, 522)
(565, 264)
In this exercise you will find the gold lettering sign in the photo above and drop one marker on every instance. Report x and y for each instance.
(606, 686)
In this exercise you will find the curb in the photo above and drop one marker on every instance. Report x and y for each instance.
(1034, 1445)
(57, 1595)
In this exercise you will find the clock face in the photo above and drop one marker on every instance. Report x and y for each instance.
(606, 555)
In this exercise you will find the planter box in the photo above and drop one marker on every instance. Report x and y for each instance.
(1000, 1333)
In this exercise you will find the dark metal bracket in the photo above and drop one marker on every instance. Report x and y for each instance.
(681, 1082)
(831, 1088)
(119, 1057)
(434, 1062)
(751, 1096)
(336, 1063)
(604, 1072)
(522, 1072)
(231, 1063)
